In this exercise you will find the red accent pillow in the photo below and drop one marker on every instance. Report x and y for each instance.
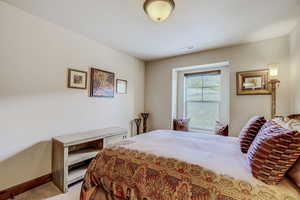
(274, 150)
(249, 132)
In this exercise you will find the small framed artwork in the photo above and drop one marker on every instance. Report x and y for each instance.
(253, 82)
(121, 86)
(77, 79)
(102, 83)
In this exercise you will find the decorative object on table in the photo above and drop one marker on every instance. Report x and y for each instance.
(253, 82)
(102, 83)
(274, 82)
(145, 117)
(222, 129)
(159, 10)
(138, 125)
(77, 79)
(181, 124)
(121, 86)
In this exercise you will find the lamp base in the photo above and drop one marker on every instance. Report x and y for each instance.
(273, 83)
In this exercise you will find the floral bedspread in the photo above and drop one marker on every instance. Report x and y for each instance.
(118, 173)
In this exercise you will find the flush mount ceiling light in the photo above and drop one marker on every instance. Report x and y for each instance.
(159, 10)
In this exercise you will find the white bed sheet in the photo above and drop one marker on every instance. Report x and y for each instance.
(217, 153)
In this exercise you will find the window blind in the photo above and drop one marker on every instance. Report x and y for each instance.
(206, 73)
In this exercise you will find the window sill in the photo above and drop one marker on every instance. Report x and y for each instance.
(202, 131)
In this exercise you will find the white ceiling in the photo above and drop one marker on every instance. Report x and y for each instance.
(203, 24)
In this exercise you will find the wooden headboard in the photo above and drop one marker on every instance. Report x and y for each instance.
(294, 116)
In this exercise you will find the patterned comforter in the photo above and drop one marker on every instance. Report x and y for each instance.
(119, 173)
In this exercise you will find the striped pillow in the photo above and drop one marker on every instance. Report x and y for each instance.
(294, 172)
(249, 132)
(274, 150)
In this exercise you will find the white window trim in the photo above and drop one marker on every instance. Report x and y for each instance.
(176, 108)
(225, 94)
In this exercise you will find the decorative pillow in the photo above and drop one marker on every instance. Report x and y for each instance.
(291, 124)
(249, 132)
(294, 173)
(181, 124)
(221, 129)
(274, 150)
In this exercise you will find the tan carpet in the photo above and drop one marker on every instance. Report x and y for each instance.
(50, 192)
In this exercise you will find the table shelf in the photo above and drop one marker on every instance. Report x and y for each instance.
(71, 154)
(82, 155)
(76, 174)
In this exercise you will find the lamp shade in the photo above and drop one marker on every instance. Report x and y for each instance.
(159, 10)
(273, 70)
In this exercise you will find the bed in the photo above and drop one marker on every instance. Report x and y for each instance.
(167, 165)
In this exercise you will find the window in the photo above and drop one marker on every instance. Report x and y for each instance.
(202, 99)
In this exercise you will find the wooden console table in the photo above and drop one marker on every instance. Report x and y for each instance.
(71, 154)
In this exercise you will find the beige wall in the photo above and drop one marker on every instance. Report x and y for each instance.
(36, 105)
(243, 57)
(295, 68)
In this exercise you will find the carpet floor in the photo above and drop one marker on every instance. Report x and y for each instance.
(50, 192)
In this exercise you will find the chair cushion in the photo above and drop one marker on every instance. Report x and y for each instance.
(249, 132)
(272, 153)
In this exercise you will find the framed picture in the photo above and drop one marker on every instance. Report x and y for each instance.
(102, 83)
(121, 86)
(253, 82)
(77, 79)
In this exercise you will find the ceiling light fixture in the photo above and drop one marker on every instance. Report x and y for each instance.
(159, 10)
